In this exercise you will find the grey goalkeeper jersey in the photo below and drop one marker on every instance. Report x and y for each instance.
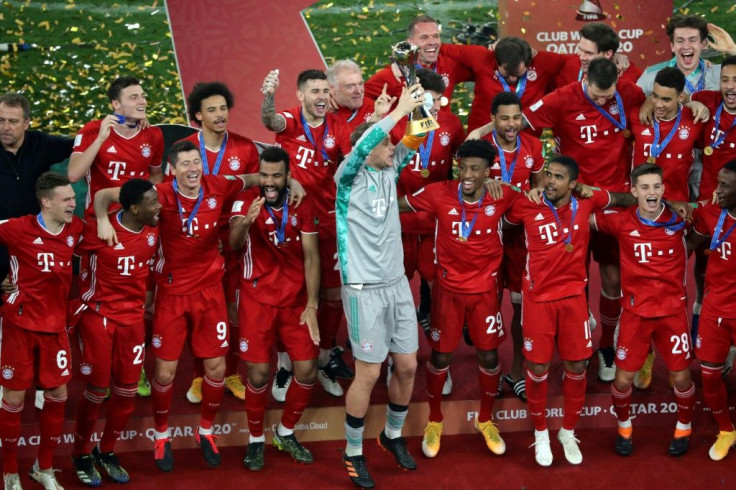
(711, 74)
(367, 213)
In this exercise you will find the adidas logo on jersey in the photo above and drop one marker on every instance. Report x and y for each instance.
(646, 132)
(112, 150)
(453, 212)
(301, 137)
(539, 217)
(269, 221)
(119, 246)
(224, 344)
(590, 344)
(65, 372)
(634, 233)
(372, 188)
(38, 241)
(580, 118)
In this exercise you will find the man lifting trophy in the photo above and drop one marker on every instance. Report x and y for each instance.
(404, 56)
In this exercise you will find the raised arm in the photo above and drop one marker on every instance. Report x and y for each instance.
(273, 121)
(239, 225)
(103, 199)
(79, 163)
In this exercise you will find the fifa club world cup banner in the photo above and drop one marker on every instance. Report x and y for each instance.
(554, 25)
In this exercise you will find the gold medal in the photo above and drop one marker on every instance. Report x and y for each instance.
(708, 150)
(568, 247)
(627, 133)
(652, 160)
(708, 251)
(462, 239)
(424, 172)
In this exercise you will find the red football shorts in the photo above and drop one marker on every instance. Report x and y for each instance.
(604, 247)
(25, 353)
(330, 274)
(259, 326)
(452, 310)
(514, 258)
(566, 319)
(201, 316)
(231, 279)
(670, 334)
(715, 336)
(418, 255)
(109, 347)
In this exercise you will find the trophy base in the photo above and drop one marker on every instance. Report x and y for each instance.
(422, 126)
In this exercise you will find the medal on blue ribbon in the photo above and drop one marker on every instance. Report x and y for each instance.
(41, 221)
(717, 127)
(657, 148)
(621, 123)
(467, 228)
(520, 85)
(308, 134)
(281, 230)
(574, 204)
(425, 150)
(203, 154)
(187, 225)
(701, 81)
(507, 173)
(672, 224)
(716, 240)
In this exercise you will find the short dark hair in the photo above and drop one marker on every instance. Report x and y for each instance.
(431, 80)
(512, 51)
(602, 35)
(308, 75)
(504, 98)
(477, 148)
(730, 166)
(14, 99)
(359, 131)
(645, 169)
(117, 86)
(419, 19)
(694, 21)
(603, 73)
(728, 61)
(275, 154)
(131, 192)
(47, 182)
(180, 146)
(670, 77)
(204, 90)
(569, 163)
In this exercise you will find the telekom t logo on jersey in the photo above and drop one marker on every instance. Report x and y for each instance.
(643, 251)
(378, 207)
(725, 250)
(45, 261)
(548, 232)
(116, 169)
(126, 264)
(588, 133)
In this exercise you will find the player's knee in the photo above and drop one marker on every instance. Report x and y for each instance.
(575, 367)
(13, 398)
(406, 367)
(488, 359)
(258, 375)
(97, 390)
(682, 379)
(305, 372)
(59, 392)
(537, 369)
(623, 380)
(440, 360)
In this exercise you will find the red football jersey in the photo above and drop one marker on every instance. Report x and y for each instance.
(41, 267)
(308, 165)
(676, 159)
(596, 144)
(115, 284)
(653, 261)
(189, 263)
(726, 151)
(464, 266)
(353, 119)
(571, 72)
(273, 271)
(441, 147)
(119, 159)
(551, 271)
(528, 157)
(451, 71)
(488, 84)
(720, 276)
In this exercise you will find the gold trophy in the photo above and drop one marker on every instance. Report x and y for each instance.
(404, 55)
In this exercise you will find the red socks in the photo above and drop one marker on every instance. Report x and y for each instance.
(714, 392)
(52, 423)
(297, 398)
(685, 404)
(212, 393)
(573, 389)
(621, 402)
(161, 398)
(435, 381)
(610, 309)
(255, 407)
(536, 398)
(488, 380)
(118, 413)
(87, 413)
(9, 434)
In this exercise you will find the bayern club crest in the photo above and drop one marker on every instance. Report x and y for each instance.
(435, 335)
(330, 142)
(7, 372)
(146, 150)
(366, 345)
(529, 161)
(669, 231)
(234, 164)
(621, 354)
(531, 74)
(490, 210)
(613, 109)
(70, 241)
(699, 342)
(293, 220)
(446, 79)
(243, 345)
(683, 133)
(85, 369)
(445, 139)
(156, 341)
(528, 344)
(212, 203)
(150, 240)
